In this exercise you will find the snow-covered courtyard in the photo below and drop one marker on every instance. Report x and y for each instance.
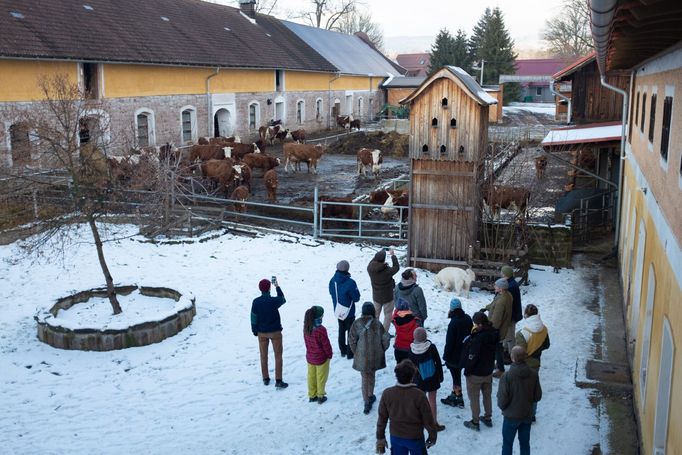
(200, 392)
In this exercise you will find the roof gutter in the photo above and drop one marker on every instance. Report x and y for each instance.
(600, 23)
(565, 98)
(624, 120)
(210, 100)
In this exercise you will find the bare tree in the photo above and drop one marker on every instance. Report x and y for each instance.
(361, 21)
(328, 13)
(568, 34)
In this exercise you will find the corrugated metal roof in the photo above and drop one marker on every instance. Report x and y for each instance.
(348, 53)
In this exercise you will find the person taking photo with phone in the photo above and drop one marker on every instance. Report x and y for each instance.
(267, 326)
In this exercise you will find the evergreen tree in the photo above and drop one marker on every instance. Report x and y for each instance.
(492, 43)
(449, 50)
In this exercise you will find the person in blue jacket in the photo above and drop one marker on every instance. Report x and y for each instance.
(344, 291)
(267, 325)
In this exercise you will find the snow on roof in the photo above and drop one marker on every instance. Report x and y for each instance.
(596, 132)
(470, 85)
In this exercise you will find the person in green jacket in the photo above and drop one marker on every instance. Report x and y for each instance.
(500, 315)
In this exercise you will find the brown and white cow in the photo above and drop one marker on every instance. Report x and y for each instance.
(221, 140)
(355, 124)
(241, 193)
(220, 172)
(298, 135)
(302, 153)
(378, 197)
(396, 200)
(505, 197)
(207, 152)
(260, 161)
(243, 175)
(540, 166)
(274, 132)
(344, 121)
(237, 151)
(270, 179)
(367, 157)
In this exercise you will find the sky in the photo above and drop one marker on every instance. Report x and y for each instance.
(411, 25)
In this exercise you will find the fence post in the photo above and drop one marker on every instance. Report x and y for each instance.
(315, 205)
(360, 222)
(35, 203)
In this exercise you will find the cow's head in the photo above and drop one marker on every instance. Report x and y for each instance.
(278, 161)
(321, 148)
(237, 139)
(255, 148)
(377, 159)
(227, 151)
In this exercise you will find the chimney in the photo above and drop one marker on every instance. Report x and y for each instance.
(248, 7)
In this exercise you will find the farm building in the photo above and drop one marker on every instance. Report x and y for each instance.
(448, 139)
(643, 41)
(535, 77)
(173, 71)
(417, 65)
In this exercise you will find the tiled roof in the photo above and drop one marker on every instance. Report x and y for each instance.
(575, 66)
(416, 64)
(174, 32)
(540, 67)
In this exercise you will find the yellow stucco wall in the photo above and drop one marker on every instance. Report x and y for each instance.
(302, 81)
(19, 79)
(143, 80)
(667, 305)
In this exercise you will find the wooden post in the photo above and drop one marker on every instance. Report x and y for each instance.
(35, 203)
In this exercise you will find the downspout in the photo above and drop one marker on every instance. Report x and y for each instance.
(329, 100)
(210, 101)
(622, 152)
(565, 98)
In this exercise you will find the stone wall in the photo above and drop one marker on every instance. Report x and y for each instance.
(108, 340)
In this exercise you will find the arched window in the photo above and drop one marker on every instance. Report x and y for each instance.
(444, 102)
(434, 122)
(144, 127)
(453, 122)
(318, 109)
(188, 124)
(300, 112)
(254, 115)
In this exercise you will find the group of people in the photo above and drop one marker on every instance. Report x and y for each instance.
(478, 346)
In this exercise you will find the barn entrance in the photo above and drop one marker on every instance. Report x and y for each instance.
(336, 110)
(222, 123)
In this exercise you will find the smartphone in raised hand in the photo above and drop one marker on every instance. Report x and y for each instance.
(274, 280)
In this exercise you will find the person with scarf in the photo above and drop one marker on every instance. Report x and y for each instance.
(344, 291)
(407, 410)
(318, 353)
(425, 356)
(508, 274)
(368, 341)
(534, 338)
(381, 277)
(409, 290)
(404, 323)
(458, 329)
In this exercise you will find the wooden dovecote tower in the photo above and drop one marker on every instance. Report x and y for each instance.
(448, 141)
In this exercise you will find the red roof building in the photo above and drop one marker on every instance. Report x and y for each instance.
(416, 64)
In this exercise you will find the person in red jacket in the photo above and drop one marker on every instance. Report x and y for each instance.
(404, 322)
(318, 353)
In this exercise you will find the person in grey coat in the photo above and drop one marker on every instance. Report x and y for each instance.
(369, 341)
(409, 290)
(519, 388)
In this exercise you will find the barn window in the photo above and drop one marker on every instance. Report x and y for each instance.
(425, 149)
(434, 122)
(90, 80)
(279, 80)
(444, 102)
(254, 115)
(538, 91)
(144, 128)
(652, 117)
(20, 144)
(188, 121)
(300, 111)
(641, 125)
(318, 109)
(453, 122)
(665, 130)
(443, 150)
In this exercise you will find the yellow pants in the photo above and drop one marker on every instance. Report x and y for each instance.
(317, 379)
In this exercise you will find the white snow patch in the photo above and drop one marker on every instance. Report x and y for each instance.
(534, 108)
(573, 135)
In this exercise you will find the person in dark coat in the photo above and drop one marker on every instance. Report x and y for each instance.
(404, 323)
(500, 314)
(267, 325)
(409, 290)
(369, 341)
(344, 291)
(426, 358)
(318, 353)
(517, 315)
(478, 356)
(534, 338)
(519, 388)
(458, 329)
(407, 410)
(381, 277)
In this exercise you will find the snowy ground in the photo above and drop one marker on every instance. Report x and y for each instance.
(536, 108)
(201, 392)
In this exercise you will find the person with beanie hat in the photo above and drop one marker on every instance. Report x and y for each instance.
(266, 324)
(500, 311)
(425, 356)
(318, 354)
(368, 341)
(381, 277)
(458, 329)
(404, 322)
(533, 338)
(344, 291)
(517, 314)
(409, 290)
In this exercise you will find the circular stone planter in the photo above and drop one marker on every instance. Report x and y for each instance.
(52, 332)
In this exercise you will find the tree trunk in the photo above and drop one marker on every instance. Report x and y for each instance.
(111, 293)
